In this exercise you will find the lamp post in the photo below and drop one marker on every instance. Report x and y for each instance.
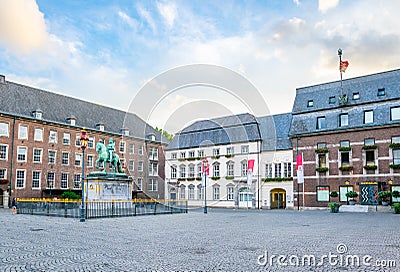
(205, 168)
(84, 141)
(347, 190)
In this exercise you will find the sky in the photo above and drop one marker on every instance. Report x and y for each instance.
(107, 51)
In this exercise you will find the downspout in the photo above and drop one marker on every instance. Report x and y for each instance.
(258, 163)
(12, 163)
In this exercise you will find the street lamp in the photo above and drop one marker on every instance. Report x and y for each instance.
(347, 190)
(205, 169)
(84, 141)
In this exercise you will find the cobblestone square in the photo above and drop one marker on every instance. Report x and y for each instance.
(222, 240)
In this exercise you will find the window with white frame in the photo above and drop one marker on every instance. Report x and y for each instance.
(22, 132)
(89, 161)
(3, 173)
(140, 150)
(244, 149)
(200, 153)
(131, 148)
(191, 171)
(321, 124)
(368, 117)
(182, 192)
(65, 158)
(64, 180)
(343, 120)
(200, 192)
(216, 152)
(153, 185)
(37, 155)
(229, 150)
(51, 180)
(230, 192)
(3, 129)
(322, 193)
(287, 169)
(216, 170)
(173, 156)
(122, 147)
(191, 192)
(322, 161)
(395, 113)
(182, 171)
(3, 152)
(230, 170)
(191, 154)
(140, 166)
(53, 136)
(78, 140)
(20, 179)
(139, 184)
(244, 168)
(78, 159)
(153, 153)
(173, 172)
(77, 181)
(278, 170)
(131, 165)
(182, 155)
(21, 153)
(52, 157)
(199, 170)
(396, 156)
(36, 179)
(268, 170)
(66, 138)
(216, 193)
(90, 143)
(153, 169)
(38, 135)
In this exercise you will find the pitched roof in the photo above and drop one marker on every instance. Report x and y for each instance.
(274, 131)
(362, 94)
(21, 100)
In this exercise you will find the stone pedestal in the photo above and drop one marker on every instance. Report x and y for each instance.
(108, 186)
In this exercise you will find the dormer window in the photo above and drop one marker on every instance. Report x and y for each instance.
(310, 103)
(71, 120)
(37, 114)
(2, 79)
(125, 131)
(151, 137)
(332, 100)
(100, 126)
(356, 96)
(381, 92)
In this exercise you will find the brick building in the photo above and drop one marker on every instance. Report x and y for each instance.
(40, 153)
(349, 135)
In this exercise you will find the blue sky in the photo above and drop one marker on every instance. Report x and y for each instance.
(105, 51)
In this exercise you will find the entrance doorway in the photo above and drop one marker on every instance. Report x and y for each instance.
(172, 194)
(278, 199)
(245, 198)
(1, 197)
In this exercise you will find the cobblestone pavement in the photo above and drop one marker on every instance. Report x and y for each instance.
(222, 240)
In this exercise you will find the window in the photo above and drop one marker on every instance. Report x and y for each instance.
(21, 154)
(140, 150)
(153, 153)
(396, 140)
(230, 169)
(278, 170)
(51, 180)
(23, 132)
(345, 158)
(244, 149)
(89, 161)
(78, 140)
(37, 155)
(182, 155)
(321, 145)
(64, 180)
(36, 179)
(268, 170)
(356, 96)
(200, 192)
(77, 181)
(344, 143)
(90, 143)
(153, 171)
(322, 193)
(332, 100)
(343, 120)
(310, 103)
(230, 192)
(199, 169)
(200, 153)
(244, 168)
(321, 160)
(3, 129)
(52, 157)
(182, 192)
(395, 113)
(216, 193)
(368, 117)
(343, 191)
(216, 152)
(38, 135)
(182, 171)
(321, 124)
(121, 147)
(3, 173)
(173, 172)
(287, 169)
(153, 185)
(229, 151)
(131, 149)
(20, 179)
(3, 152)
(381, 92)
(191, 192)
(370, 157)
(78, 159)
(369, 141)
(53, 136)
(216, 170)
(139, 184)
(191, 171)
(191, 154)
(66, 138)
(173, 156)
(140, 166)
(65, 158)
(396, 156)
(131, 165)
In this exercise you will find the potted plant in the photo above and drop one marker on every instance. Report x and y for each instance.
(384, 196)
(334, 207)
(352, 195)
(334, 194)
(396, 207)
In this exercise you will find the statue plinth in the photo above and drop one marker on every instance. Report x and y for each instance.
(108, 186)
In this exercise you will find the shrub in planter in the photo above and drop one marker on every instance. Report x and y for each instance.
(369, 147)
(345, 148)
(70, 195)
(346, 168)
(370, 167)
(334, 207)
(395, 145)
(395, 166)
(321, 150)
(334, 194)
(351, 195)
(384, 197)
(396, 208)
(322, 169)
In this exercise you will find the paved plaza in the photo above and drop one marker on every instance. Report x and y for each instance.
(222, 240)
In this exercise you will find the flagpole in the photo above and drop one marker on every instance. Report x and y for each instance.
(303, 181)
(341, 77)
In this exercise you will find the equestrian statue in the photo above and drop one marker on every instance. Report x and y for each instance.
(108, 155)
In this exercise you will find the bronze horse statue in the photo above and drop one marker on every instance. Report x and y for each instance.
(103, 158)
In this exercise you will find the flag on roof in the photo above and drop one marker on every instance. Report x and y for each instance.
(343, 66)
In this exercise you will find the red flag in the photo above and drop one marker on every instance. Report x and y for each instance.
(299, 161)
(250, 165)
(207, 169)
(343, 66)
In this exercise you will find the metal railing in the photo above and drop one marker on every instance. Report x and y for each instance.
(100, 208)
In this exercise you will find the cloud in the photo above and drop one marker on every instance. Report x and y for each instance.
(325, 5)
(22, 26)
(146, 15)
(168, 12)
(128, 20)
(297, 2)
